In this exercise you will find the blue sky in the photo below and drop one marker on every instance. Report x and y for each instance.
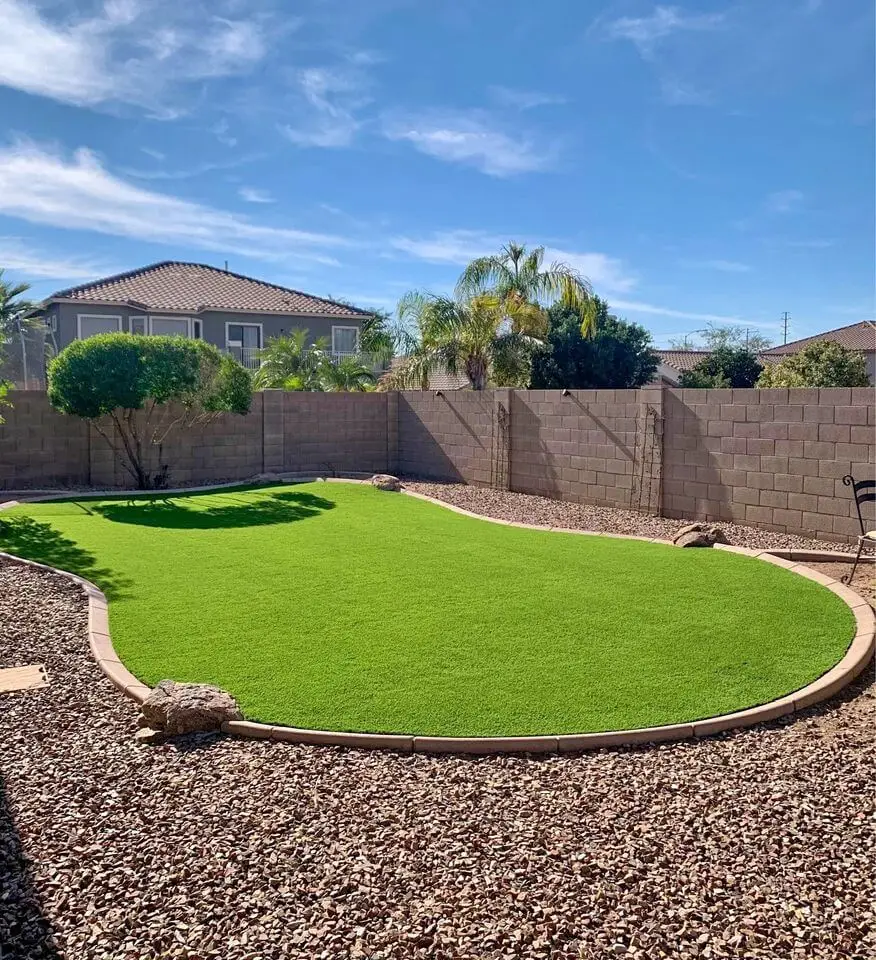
(699, 161)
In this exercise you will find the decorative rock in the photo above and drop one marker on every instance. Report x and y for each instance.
(385, 481)
(699, 535)
(148, 735)
(177, 708)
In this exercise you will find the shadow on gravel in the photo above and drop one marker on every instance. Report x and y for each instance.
(241, 511)
(35, 540)
(25, 933)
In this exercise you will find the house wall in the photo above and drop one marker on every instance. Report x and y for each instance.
(768, 458)
(213, 322)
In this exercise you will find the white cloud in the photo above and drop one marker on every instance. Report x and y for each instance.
(725, 266)
(133, 52)
(783, 201)
(635, 306)
(469, 138)
(18, 257)
(647, 32)
(332, 98)
(524, 99)
(255, 195)
(43, 187)
(461, 246)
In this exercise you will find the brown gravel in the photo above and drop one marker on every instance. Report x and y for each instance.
(757, 844)
(525, 508)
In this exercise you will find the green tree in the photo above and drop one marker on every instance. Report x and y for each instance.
(730, 336)
(485, 338)
(135, 390)
(518, 277)
(289, 362)
(725, 367)
(618, 355)
(16, 320)
(819, 364)
(347, 374)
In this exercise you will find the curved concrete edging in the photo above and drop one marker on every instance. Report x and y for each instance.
(856, 658)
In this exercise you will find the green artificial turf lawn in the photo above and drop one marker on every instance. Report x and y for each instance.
(342, 607)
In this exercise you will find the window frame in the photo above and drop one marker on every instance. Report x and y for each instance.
(97, 316)
(239, 343)
(357, 332)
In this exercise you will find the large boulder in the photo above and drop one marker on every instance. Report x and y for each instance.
(699, 535)
(385, 481)
(173, 708)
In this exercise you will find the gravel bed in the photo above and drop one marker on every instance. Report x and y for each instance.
(526, 508)
(757, 844)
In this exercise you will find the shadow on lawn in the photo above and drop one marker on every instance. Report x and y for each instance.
(25, 934)
(35, 540)
(174, 513)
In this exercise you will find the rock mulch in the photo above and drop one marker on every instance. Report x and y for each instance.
(757, 844)
(526, 508)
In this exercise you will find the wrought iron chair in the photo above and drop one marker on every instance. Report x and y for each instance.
(864, 491)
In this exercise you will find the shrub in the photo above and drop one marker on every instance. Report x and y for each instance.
(819, 364)
(725, 367)
(145, 387)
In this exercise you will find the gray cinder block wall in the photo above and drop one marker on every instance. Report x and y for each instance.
(769, 458)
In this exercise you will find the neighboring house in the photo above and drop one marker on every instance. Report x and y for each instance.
(236, 313)
(856, 336)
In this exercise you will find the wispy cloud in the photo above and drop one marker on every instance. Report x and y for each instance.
(133, 51)
(78, 193)
(636, 306)
(524, 99)
(255, 195)
(783, 201)
(651, 34)
(471, 139)
(647, 32)
(18, 257)
(724, 266)
(458, 247)
(187, 173)
(332, 97)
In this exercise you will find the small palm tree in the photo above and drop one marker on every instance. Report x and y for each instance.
(15, 321)
(289, 363)
(516, 276)
(484, 338)
(348, 374)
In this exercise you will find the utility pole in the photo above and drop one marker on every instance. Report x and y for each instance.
(785, 318)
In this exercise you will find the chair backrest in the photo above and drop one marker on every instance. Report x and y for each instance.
(864, 491)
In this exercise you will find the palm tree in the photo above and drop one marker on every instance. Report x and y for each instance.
(484, 338)
(515, 275)
(14, 319)
(347, 374)
(290, 363)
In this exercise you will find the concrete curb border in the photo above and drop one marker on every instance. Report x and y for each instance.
(856, 658)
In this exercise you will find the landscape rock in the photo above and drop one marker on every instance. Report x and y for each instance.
(178, 708)
(385, 481)
(148, 735)
(699, 535)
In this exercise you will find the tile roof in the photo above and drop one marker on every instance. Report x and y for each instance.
(193, 287)
(682, 359)
(856, 336)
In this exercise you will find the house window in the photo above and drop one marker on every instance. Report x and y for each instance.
(345, 341)
(89, 325)
(244, 341)
(170, 326)
(196, 329)
(138, 325)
